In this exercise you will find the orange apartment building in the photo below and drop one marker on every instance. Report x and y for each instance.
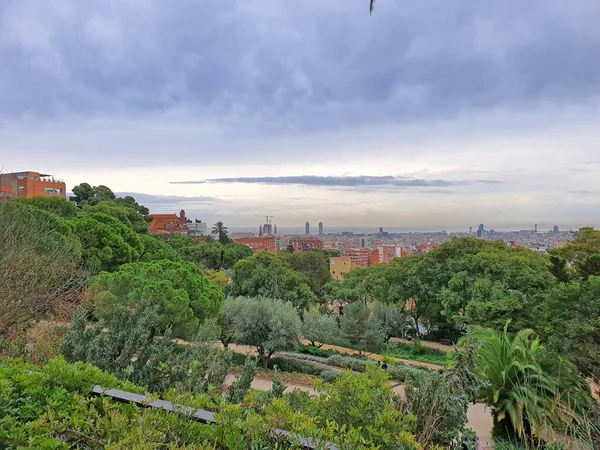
(30, 184)
(259, 244)
(361, 257)
(302, 244)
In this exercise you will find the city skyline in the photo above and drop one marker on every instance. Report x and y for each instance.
(313, 109)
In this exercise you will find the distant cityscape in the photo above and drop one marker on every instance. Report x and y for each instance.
(361, 249)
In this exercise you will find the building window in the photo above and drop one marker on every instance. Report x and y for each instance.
(49, 191)
(21, 188)
(59, 191)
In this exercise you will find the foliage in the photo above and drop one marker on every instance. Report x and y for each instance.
(418, 352)
(85, 194)
(320, 328)
(269, 325)
(312, 350)
(267, 275)
(391, 320)
(526, 392)
(362, 401)
(220, 232)
(39, 264)
(359, 327)
(314, 265)
(107, 243)
(579, 258)
(156, 249)
(239, 388)
(55, 205)
(278, 387)
(182, 295)
(571, 323)
(127, 346)
(285, 364)
(329, 375)
(215, 255)
(439, 409)
(218, 277)
(124, 214)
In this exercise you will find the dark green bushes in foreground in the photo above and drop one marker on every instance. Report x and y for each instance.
(51, 407)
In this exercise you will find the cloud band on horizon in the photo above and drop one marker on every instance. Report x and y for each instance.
(361, 181)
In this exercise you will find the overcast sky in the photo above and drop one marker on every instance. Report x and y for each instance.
(429, 114)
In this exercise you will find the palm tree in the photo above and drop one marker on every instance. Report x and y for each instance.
(526, 394)
(220, 232)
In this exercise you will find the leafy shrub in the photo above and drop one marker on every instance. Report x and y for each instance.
(440, 412)
(294, 366)
(347, 362)
(127, 346)
(316, 351)
(416, 351)
(328, 375)
(240, 387)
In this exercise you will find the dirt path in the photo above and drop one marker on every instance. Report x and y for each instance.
(435, 345)
(348, 351)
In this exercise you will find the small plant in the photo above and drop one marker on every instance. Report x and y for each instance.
(278, 387)
(239, 388)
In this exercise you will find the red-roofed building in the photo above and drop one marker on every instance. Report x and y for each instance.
(423, 248)
(259, 244)
(306, 243)
(168, 223)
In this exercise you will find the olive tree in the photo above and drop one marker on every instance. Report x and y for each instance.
(267, 324)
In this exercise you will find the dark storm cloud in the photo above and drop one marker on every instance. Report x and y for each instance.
(347, 181)
(286, 67)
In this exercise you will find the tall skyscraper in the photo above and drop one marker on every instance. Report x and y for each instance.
(259, 231)
(555, 229)
(535, 227)
(480, 230)
(470, 230)
(380, 230)
(275, 231)
(320, 228)
(307, 229)
(362, 243)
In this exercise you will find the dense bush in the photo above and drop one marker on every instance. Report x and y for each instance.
(127, 346)
(179, 291)
(347, 362)
(294, 366)
(419, 352)
(40, 261)
(316, 351)
(52, 407)
(440, 410)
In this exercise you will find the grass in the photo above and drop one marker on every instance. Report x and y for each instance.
(417, 352)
